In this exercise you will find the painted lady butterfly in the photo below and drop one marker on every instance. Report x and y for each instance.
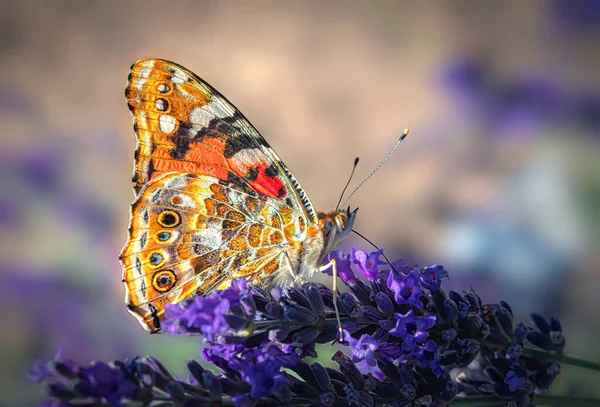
(213, 201)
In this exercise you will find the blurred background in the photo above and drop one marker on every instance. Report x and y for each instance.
(499, 180)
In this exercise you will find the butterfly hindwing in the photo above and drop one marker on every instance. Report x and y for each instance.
(193, 233)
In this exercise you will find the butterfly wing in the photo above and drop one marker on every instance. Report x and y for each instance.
(214, 202)
(182, 124)
(194, 233)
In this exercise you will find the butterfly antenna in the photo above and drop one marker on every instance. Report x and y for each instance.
(376, 247)
(347, 183)
(402, 137)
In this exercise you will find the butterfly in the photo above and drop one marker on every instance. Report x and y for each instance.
(213, 201)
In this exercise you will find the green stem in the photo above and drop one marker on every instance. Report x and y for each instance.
(540, 400)
(328, 321)
(469, 401)
(472, 401)
(562, 358)
(557, 401)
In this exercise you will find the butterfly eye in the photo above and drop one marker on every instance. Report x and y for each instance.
(168, 219)
(163, 280)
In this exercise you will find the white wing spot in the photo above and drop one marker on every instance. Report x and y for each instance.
(146, 69)
(209, 237)
(177, 182)
(160, 105)
(217, 109)
(235, 198)
(144, 73)
(179, 77)
(200, 116)
(203, 115)
(167, 123)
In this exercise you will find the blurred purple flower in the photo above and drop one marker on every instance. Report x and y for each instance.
(39, 372)
(103, 381)
(466, 75)
(87, 213)
(576, 14)
(10, 215)
(52, 310)
(42, 169)
(587, 108)
(521, 105)
(15, 102)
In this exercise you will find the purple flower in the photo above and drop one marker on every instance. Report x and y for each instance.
(238, 290)
(101, 380)
(213, 314)
(222, 355)
(371, 371)
(412, 329)
(513, 380)
(384, 303)
(39, 372)
(431, 277)
(205, 315)
(428, 357)
(406, 289)
(362, 349)
(264, 378)
(259, 369)
(548, 335)
(343, 265)
(367, 263)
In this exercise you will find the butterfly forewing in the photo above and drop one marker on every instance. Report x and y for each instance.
(182, 124)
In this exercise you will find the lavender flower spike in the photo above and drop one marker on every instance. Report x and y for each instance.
(404, 334)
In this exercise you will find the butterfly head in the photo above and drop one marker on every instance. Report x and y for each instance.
(337, 226)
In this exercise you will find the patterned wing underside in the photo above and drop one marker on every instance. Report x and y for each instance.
(194, 233)
(182, 124)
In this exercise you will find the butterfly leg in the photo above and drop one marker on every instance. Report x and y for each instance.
(333, 265)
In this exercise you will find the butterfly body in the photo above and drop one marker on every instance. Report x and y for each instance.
(214, 202)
